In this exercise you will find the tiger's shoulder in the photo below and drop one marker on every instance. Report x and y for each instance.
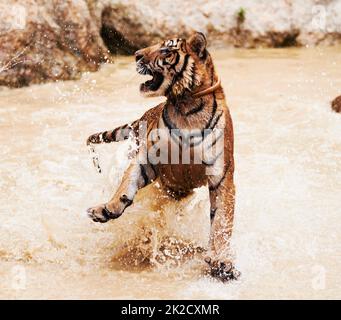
(153, 114)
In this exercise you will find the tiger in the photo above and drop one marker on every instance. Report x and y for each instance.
(183, 72)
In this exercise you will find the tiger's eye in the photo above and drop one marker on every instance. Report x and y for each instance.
(165, 51)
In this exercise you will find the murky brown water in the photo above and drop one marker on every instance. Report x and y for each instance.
(287, 237)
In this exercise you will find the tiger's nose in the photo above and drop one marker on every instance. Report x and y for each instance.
(138, 55)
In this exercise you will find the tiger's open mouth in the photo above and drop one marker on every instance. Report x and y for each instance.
(152, 84)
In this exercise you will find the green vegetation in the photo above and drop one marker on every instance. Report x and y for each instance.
(241, 15)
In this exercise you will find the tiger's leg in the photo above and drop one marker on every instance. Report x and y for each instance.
(222, 199)
(115, 135)
(135, 177)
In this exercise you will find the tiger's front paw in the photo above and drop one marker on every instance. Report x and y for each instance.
(222, 270)
(93, 139)
(101, 214)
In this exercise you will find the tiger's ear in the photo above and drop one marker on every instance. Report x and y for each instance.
(197, 42)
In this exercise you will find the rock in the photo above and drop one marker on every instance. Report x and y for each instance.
(47, 40)
(44, 40)
(336, 104)
(246, 23)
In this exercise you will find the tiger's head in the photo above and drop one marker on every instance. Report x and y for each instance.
(177, 66)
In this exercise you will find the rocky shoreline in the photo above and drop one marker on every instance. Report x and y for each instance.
(49, 40)
(336, 104)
